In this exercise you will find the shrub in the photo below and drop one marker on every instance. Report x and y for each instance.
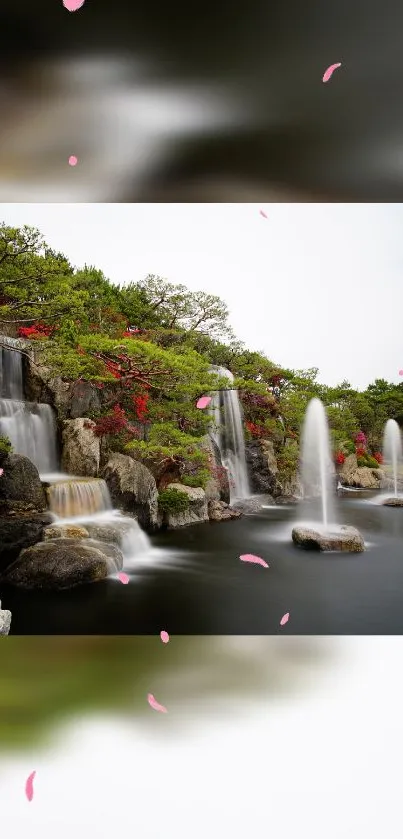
(173, 501)
(197, 479)
(378, 457)
(348, 447)
(362, 461)
(372, 463)
(340, 458)
(5, 448)
(360, 452)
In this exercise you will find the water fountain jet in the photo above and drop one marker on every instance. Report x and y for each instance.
(321, 532)
(393, 458)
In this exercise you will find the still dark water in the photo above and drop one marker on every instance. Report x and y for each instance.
(194, 583)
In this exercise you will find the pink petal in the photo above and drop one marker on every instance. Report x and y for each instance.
(203, 402)
(73, 160)
(164, 637)
(252, 558)
(262, 213)
(329, 72)
(1, 472)
(73, 5)
(400, 374)
(156, 705)
(29, 788)
(284, 619)
(123, 578)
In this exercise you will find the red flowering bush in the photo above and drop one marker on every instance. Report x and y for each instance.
(340, 458)
(361, 441)
(360, 452)
(256, 431)
(378, 457)
(38, 330)
(111, 424)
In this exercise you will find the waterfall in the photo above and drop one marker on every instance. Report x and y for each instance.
(226, 413)
(78, 497)
(29, 426)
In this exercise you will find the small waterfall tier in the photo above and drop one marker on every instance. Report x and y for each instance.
(78, 497)
(30, 426)
(228, 434)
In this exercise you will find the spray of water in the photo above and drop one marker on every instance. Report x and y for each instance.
(317, 468)
(392, 450)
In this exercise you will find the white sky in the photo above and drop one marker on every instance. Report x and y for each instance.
(313, 285)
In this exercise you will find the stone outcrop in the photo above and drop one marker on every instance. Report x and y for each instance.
(346, 539)
(5, 621)
(133, 489)
(352, 475)
(21, 490)
(196, 512)
(17, 533)
(63, 563)
(262, 466)
(217, 488)
(220, 511)
(80, 448)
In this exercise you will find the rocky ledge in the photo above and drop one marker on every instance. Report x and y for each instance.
(346, 539)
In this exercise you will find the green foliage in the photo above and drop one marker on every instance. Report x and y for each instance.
(348, 447)
(288, 460)
(172, 500)
(197, 479)
(362, 461)
(180, 308)
(167, 444)
(5, 448)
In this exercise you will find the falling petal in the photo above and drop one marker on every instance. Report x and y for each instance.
(1, 472)
(29, 786)
(400, 374)
(262, 213)
(203, 402)
(284, 619)
(73, 5)
(329, 72)
(257, 560)
(164, 637)
(73, 160)
(156, 705)
(123, 578)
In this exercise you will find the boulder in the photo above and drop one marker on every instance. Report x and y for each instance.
(290, 489)
(5, 621)
(196, 512)
(132, 489)
(251, 506)
(62, 563)
(80, 448)
(363, 477)
(220, 511)
(393, 502)
(19, 533)
(21, 490)
(84, 399)
(346, 539)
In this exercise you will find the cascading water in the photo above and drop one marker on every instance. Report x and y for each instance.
(31, 430)
(317, 468)
(30, 427)
(392, 451)
(228, 434)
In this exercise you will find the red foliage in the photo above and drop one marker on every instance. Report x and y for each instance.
(38, 330)
(255, 430)
(111, 424)
(378, 457)
(140, 402)
(340, 458)
(360, 452)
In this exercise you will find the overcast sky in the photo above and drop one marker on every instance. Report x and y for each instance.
(313, 285)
